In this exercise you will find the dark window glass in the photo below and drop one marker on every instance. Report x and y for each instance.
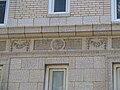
(118, 9)
(60, 6)
(2, 11)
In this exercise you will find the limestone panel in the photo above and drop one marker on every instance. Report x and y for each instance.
(50, 29)
(28, 86)
(91, 19)
(99, 86)
(19, 76)
(3, 45)
(116, 43)
(84, 62)
(57, 21)
(41, 64)
(84, 28)
(67, 29)
(25, 22)
(83, 86)
(3, 31)
(74, 20)
(60, 60)
(75, 75)
(32, 30)
(102, 27)
(15, 64)
(94, 75)
(43, 44)
(41, 22)
(13, 86)
(73, 44)
(12, 22)
(36, 76)
(99, 62)
(71, 86)
(105, 19)
(30, 63)
(40, 86)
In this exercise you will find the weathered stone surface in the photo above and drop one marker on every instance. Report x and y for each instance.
(94, 75)
(36, 76)
(99, 86)
(30, 63)
(20, 45)
(115, 43)
(3, 45)
(15, 63)
(19, 76)
(91, 19)
(83, 85)
(13, 86)
(28, 86)
(73, 44)
(84, 62)
(75, 75)
(43, 44)
(97, 43)
(99, 62)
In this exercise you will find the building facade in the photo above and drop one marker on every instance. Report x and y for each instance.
(59, 44)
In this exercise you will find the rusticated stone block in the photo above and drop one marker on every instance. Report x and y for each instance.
(28, 86)
(19, 76)
(84, 62)
(99, 86)
(30, 63)
(75, 75)
(36, 76)
(13, 86)
(15, 63)
(83, 85)
(94, 75)
(99, 62)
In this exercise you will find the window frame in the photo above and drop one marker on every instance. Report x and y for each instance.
(48, 77)
(115, 75)
(51, 7)
(6, 13)
(1, 68)
(114, 10)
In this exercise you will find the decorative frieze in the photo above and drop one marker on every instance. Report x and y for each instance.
(3, 45)
(57, 44)
(20, 45)
(97, 44)
(72, 44)
(116, 43)
(43, 44)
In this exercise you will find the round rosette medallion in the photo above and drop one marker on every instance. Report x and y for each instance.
(57, 44)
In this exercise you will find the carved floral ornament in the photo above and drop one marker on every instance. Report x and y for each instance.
(57, 44)
(97, 43)
(20, 44)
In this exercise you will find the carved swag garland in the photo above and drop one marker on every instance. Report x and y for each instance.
(20, 44)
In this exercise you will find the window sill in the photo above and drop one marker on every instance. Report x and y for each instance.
(2, 25)
(58, 14)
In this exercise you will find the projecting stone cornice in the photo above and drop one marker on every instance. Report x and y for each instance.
(60, 31)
